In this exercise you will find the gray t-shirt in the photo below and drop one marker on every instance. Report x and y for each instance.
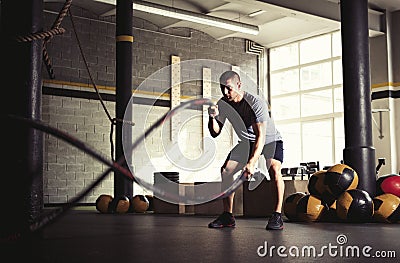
(251, 109)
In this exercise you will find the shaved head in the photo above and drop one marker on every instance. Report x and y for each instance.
(229, 75)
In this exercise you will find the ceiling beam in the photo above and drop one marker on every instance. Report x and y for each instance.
(194, 17)
(328, 10)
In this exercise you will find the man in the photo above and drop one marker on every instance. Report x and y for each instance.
(257, 136)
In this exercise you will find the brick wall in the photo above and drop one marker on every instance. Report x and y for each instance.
(67, 169)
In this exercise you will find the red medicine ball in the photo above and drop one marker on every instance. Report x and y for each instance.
(391, 185)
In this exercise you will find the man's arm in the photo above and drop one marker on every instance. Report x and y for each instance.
(214, 126)
(259, 129)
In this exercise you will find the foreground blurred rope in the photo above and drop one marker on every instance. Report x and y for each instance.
(51, 216)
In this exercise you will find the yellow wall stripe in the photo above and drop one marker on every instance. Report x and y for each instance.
(110, 88)
(77, 84)
(125, 38)
(385, 84)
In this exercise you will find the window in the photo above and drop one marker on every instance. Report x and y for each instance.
(315, 49)
(306, 99)
(317, 140)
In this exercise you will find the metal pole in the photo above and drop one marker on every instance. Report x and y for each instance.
(359, 152)
(124, 40)
(22, 180)
(393, 38)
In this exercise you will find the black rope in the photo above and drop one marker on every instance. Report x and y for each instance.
(112, 120)
(87, 67)
(118, 165)
(57, 30)
(112, 140)
(56, 24)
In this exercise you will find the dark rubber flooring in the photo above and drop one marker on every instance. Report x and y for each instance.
(84, 235)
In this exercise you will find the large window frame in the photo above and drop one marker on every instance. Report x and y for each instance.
(306, 88)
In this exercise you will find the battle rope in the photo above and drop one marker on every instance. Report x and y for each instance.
(112, 120)
(118, 165)
(57, 30)
(48, 35)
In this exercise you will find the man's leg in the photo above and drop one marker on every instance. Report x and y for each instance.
(276, 176)
(276, 222)
(226, 219)
(228, 203)
(229, 169)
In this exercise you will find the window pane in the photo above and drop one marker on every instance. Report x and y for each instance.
(315, 76)
(292, 143)
(316, 103)
(315, 49)
(306, 81)
(339, 139)
(338, 96)
(284, 82)
(337, 72)
(286, 108)
(317, 142)
(284, 57)
(336, 44)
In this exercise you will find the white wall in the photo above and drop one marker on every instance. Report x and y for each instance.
(385, 77)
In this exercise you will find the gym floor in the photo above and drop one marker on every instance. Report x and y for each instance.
(84, 235)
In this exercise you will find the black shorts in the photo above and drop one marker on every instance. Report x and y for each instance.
(242, 151)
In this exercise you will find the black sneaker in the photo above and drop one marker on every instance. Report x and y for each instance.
(226, 219)
(275, 222)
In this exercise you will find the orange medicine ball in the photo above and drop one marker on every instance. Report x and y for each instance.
(140, 203)
(103, 203)
(340, 178)
(310, 209)
(290, 205)
(387, 208)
